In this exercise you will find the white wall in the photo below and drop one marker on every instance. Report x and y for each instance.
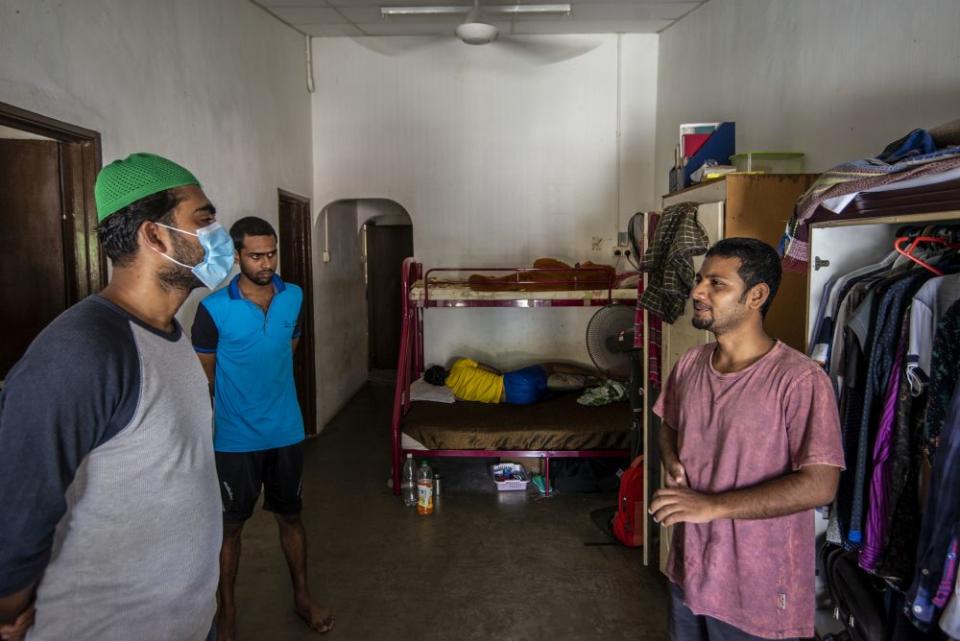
(340, 310)
(499, 157)
(383, 212)
(217, 85)
(836, 79)
(9, 133)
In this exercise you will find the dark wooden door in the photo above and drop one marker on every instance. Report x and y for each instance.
(387, 246)
(33, 278)
(296, 266)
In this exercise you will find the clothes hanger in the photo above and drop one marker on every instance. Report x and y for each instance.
(916, 240)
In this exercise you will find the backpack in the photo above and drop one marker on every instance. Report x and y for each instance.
(629, 520)
(857, 596)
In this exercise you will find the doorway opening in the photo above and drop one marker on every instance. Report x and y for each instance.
(52, 257)
(386, 239)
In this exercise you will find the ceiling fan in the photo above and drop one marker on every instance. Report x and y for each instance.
(474, 30)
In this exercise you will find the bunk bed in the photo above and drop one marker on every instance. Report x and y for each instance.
(556, 428)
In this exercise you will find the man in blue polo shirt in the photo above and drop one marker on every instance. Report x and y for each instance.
(245, 335)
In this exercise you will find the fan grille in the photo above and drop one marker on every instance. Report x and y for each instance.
(603, 327)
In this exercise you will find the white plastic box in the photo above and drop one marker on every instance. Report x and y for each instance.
(769, 162)
(509, 477)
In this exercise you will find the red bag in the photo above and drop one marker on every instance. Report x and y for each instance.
(629, 520)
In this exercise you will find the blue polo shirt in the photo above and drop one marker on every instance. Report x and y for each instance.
(255, 399)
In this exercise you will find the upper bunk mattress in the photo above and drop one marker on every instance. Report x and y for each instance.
(441, 291)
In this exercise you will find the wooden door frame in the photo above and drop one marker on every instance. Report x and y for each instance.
(312, 429)
(84, 263)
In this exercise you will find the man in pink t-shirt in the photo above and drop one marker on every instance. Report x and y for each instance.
(750, 442)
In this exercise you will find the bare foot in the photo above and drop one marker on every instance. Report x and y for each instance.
(318, 618)
(226, 625)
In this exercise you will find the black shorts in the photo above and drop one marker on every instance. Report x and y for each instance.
(241, 474)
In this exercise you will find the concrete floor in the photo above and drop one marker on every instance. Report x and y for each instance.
(482, 566)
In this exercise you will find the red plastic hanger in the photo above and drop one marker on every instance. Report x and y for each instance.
(914, 241)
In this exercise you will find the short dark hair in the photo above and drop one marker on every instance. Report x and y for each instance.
(118, 231)
(435, 375)
(250, 226)
(759, 263)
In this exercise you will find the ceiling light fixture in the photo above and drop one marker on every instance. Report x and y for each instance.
(517, 9)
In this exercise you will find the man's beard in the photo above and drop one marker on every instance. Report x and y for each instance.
(702, 323)
(729, 321)
(177, 276)
(257, 278)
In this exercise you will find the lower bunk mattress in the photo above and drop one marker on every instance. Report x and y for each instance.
(559, 423)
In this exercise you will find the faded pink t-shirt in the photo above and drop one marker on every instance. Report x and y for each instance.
(736, 431)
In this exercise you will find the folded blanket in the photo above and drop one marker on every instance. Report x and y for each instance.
(912, 156)
(548, 274)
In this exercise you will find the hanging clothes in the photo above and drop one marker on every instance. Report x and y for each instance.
(950, 619)
(929, 305)
(945, 588)
(812, 340)
(946, 371)
(678, 238)
(893, 296)
(940, 517)
(850, 304)
(869, 309)
(654, 325)
(896, 561)
(655, 352)
(877, 524)
(888, 335)
(834, 292)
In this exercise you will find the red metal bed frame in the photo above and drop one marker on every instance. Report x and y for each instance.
(410, 361)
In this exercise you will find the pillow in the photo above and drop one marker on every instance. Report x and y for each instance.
(420, 390)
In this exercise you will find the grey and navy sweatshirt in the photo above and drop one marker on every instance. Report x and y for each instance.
(108, 490)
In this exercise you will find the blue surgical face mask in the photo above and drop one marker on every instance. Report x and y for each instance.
(217, 260)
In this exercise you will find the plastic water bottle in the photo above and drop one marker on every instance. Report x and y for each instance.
(425, 490)
(408, 482)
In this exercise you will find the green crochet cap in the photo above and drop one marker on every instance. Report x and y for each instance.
(124, 182)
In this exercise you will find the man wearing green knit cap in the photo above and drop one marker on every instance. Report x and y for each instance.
(110, 512)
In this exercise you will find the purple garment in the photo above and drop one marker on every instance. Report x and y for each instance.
(945, 589)
(878, 505)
